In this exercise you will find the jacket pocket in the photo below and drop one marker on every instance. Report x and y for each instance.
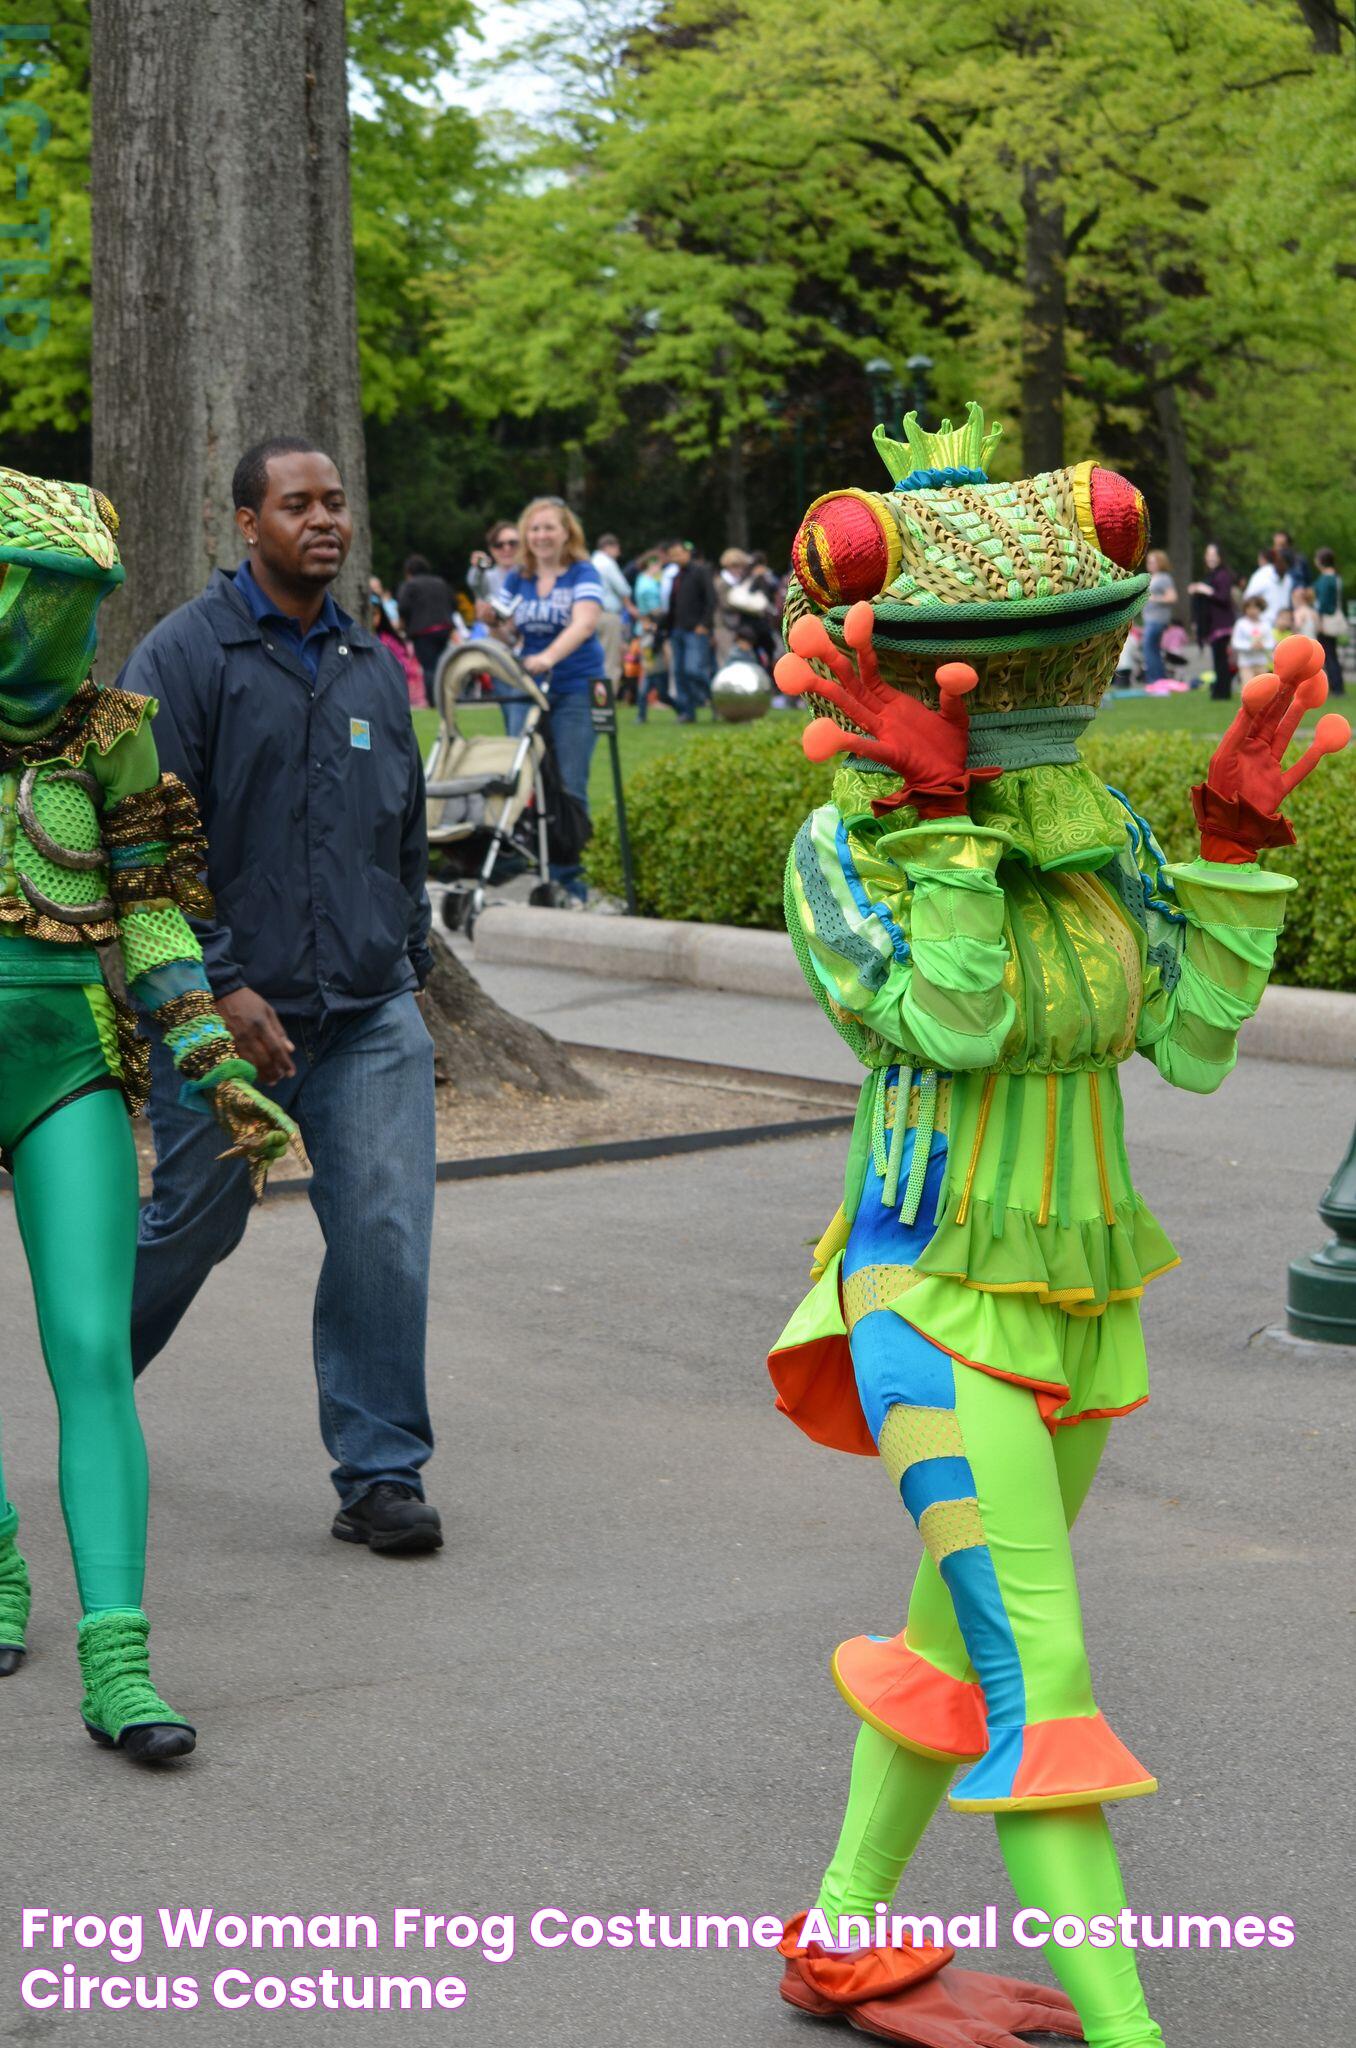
(381, 946)
(266, 931)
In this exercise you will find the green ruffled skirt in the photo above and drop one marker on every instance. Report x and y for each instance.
(1030, 1266)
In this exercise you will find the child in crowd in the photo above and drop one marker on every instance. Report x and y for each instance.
(392, 638)
(1304, 613)
(1252, 640)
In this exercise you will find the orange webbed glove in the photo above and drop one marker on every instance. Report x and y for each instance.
(1238, 805)
(926, 748)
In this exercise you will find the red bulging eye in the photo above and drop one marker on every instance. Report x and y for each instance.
(1120, 516)
(845, 550)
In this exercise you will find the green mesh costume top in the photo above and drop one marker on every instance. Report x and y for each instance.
(1025, 947)
(100, 855)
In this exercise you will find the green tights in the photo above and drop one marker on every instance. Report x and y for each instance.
(75, 1191)
(1060, 1861)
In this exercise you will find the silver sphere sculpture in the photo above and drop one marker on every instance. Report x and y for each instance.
(741, 691)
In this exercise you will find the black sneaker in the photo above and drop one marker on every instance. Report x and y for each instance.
(391, 1519)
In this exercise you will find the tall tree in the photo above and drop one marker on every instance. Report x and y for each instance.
(222, 274)
(1087, 212)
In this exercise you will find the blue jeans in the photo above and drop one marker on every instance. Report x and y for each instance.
(363, 1098)
(1154, 670)
(692, 670)
(513, 704)
(574, 738)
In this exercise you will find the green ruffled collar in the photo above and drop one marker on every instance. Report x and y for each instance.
(1056, 815)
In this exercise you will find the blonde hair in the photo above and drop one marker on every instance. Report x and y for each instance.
(1158, 561)
(576, 548)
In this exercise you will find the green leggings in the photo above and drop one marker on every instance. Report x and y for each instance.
(1060, 1861)
(75, 1189)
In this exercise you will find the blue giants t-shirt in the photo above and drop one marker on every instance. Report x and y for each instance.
(541, 618)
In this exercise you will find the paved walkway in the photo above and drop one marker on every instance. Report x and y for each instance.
(777, 1035)
(610, 1691)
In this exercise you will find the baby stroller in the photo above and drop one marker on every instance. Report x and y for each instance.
(495, 802)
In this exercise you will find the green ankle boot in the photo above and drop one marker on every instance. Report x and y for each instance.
(15, 1596)
(121, 1708)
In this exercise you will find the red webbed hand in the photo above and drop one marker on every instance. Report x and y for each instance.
(926, 748)
(1238, 805)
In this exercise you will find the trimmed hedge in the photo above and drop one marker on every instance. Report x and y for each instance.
(711, 825)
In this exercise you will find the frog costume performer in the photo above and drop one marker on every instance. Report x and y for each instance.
(993, 932)
(99, 858)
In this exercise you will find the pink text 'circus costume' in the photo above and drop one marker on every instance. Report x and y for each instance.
(994, 931)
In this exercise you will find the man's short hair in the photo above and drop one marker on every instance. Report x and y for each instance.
(249, 485)
(608, 540)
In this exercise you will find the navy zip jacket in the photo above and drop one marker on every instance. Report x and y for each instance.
(312, 797)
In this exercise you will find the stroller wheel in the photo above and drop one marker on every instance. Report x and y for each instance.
(462, 904)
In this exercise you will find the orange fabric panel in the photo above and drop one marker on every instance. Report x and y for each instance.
(910, 1700)
(1098, 1414)
(817, 1388)
(866, 1973)
(1080, 1755)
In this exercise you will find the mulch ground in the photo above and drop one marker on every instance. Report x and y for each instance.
(640, 1098)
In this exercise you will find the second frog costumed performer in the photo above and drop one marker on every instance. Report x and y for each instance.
(99, 857)
(993, 932)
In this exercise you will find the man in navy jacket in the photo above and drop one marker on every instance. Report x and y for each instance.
(291, 727)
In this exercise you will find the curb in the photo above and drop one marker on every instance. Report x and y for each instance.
(607, 1152)
(1312, 1026)
(715, 956)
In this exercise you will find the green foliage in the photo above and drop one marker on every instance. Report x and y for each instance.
(46, 387)
(415, 175)
(711, 827)
(753, 200)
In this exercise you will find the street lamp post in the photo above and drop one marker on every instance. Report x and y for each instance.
(1321, 1298)
(883, 384)
(920, 370)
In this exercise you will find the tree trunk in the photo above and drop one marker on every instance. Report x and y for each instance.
(1043, 351)
(223, 314)
(576, 479)
(736, 493)
(1168, 414)
(479, 1049)
(223, 301)
(1325, 24)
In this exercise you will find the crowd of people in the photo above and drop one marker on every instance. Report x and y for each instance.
(656, 626)
(1238, 622)
(666, 619)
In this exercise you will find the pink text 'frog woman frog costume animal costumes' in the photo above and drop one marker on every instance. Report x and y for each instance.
(993, 931)
(99, 858)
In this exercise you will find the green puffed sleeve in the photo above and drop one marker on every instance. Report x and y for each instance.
(1198, 998)
(900, 933)
(155, 848)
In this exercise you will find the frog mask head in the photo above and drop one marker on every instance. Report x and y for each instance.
(1034, 583)
(58, 562)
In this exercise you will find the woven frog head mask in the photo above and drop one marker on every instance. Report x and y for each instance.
(1034, 583)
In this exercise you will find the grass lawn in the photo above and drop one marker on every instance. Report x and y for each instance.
(1193, 711)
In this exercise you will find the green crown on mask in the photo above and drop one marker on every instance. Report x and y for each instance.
(965, 448)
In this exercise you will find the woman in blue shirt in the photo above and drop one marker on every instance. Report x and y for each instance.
(1328, 602)
(558, 595)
